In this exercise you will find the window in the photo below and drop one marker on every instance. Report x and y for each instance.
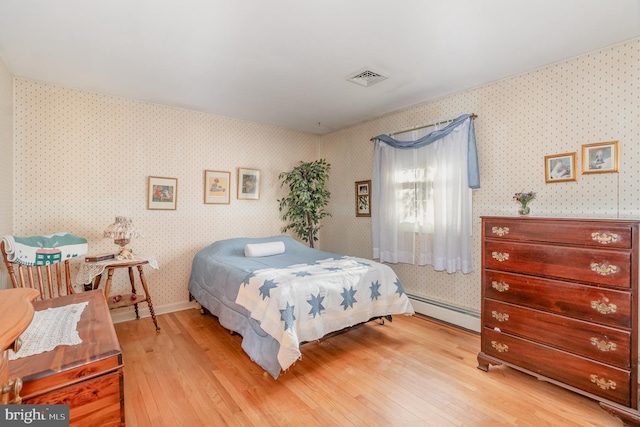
(414, 189)
(421, 188)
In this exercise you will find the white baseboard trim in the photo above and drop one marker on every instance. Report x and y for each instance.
(128, 313)
(444, 313)
(466, 320)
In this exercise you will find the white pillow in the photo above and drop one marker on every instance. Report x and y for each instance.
(263, 249)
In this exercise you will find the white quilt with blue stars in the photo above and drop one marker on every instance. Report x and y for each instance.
(304, 302)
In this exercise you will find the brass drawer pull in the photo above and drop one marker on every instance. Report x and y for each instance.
(604, 345)
(500, 286)
(13, 386)
(500, 231)
(500, 317)
(500, 256)
(604, 269)
(602, 383)
(604, 238)
(17, 344)
(501, 348)
(604, 307)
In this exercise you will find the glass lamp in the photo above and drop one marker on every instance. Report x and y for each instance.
(122, 231)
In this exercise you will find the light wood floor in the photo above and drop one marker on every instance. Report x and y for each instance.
(412, 372)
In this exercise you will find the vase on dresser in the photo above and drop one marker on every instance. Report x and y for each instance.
(524, 198)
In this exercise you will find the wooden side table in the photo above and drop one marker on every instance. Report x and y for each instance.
(127, 300)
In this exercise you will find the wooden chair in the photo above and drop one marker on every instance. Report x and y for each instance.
(46, 279)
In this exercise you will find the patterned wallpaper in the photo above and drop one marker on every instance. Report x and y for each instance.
(6, 156)
(82, 158)
(521, 119)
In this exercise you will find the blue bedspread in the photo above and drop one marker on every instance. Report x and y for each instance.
(221, 270)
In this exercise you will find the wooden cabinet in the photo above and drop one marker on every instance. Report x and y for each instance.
(560, 301)
(88, 376)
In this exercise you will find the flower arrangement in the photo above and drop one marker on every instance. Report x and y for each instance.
(524, 199)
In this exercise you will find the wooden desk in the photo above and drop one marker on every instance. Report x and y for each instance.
(87, 376)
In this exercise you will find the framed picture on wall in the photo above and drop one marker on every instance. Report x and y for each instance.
(560, 168)
(600, 157)
(216, 187)
(162, 193)
(248, 184)
(363, 198)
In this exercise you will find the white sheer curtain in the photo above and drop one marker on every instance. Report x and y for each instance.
(425, 192)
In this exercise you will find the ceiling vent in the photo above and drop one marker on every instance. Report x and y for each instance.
(366, 77)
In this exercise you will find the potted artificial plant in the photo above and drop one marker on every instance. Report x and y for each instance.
(304, 206)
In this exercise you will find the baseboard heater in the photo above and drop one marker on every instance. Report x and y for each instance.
(457, 316)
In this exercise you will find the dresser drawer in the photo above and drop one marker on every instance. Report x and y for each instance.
(33, 386)
(607, 345)
(590, 376)
(583, 233)
(607, 267)
(95, 402)
(586, 302)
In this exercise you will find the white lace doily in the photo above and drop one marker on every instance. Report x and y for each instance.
(89, 270)
(50, 328)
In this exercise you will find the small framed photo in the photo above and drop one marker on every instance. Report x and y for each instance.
(248, 184)
(363, 198)
(216, 187)
(163, 193)
(560, 168)
(601, 157)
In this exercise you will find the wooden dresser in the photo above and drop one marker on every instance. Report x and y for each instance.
(560, 302)
(16, 311)
(88, 376)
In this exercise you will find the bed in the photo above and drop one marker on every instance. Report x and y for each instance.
(278, 293)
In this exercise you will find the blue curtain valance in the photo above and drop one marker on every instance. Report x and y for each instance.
(472, 152)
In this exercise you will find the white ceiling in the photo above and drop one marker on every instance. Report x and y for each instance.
(284, 62)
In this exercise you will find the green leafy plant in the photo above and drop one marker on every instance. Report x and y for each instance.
(304, 206)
